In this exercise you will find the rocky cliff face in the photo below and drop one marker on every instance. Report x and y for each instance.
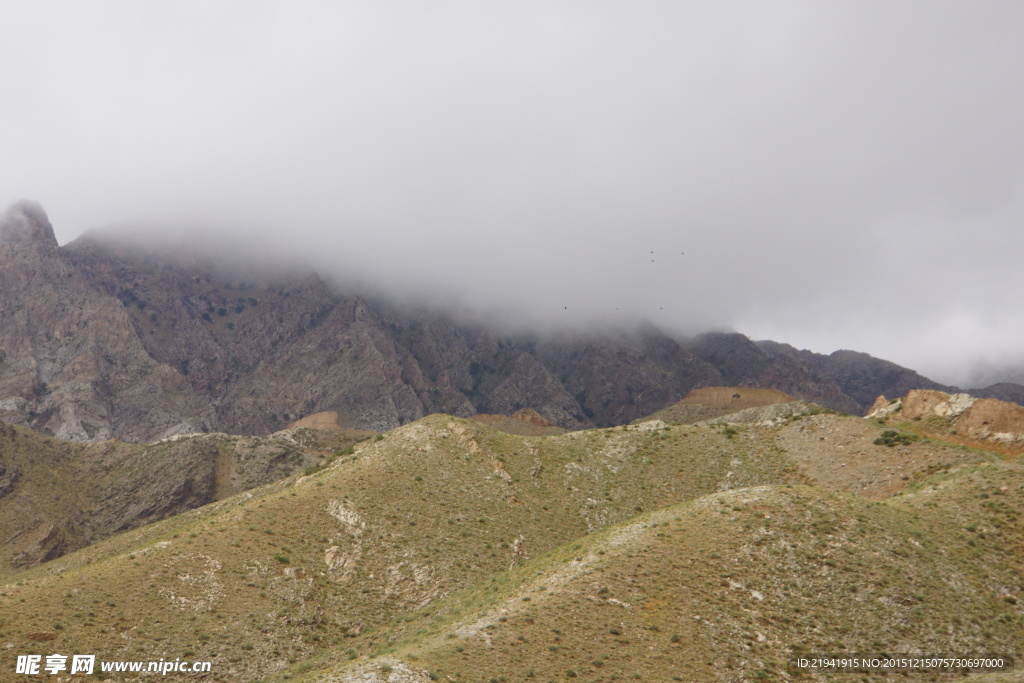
(102, 338)
(70, 362)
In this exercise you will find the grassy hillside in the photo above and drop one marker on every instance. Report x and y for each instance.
(274, 575)
(57, 496)
(410, 547)
(731, 587)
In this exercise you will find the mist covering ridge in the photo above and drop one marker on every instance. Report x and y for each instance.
(26, 222)
(146, 338)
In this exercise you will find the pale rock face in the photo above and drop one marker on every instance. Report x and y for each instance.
(880, 403)
(923, 402)
(351, 519)
(341, 561)
(955, 406)
(13, 403)
(881, 408)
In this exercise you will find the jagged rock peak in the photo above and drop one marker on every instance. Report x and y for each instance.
(25, 222)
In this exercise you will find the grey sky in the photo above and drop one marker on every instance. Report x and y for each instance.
(838, 174)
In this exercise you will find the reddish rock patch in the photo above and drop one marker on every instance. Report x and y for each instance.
(921, 402)
(736, 397)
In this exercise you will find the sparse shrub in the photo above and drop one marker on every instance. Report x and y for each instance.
(891, 437)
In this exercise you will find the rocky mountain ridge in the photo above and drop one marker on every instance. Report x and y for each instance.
(105, 338)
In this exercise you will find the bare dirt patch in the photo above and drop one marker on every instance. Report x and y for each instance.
(736, 397)
(839, 452)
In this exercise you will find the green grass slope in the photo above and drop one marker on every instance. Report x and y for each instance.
(732, 586)
(260, 581)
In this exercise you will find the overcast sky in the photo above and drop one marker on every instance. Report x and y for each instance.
(838, 174)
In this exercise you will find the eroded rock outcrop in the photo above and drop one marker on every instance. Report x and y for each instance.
(990, 418)
(921, 402)
(977, 418)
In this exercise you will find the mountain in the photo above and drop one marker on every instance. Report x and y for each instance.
(70, 361)
(745, 364)
(1003, 392)
(104, 337)
(861, 376)
(715, 534)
